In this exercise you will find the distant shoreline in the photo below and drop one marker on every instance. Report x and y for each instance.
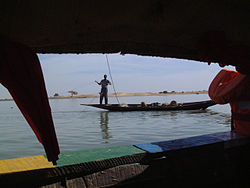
(123, 94)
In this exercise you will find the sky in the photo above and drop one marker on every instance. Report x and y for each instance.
(129, 73)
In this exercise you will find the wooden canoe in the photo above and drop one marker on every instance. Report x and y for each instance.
(154, 106)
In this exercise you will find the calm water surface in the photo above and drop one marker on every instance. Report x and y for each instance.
(79, 127)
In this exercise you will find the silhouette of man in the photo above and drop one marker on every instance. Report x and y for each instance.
(104, 90)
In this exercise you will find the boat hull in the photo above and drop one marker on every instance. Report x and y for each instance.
(139, 107)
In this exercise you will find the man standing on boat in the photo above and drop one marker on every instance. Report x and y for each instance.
(104, 91)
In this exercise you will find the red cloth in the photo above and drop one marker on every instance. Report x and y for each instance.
(21, 74)
(227, 86)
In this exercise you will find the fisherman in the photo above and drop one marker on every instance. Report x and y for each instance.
(104, 90)
(233, 87)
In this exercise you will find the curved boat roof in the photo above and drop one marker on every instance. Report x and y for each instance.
(177, 29)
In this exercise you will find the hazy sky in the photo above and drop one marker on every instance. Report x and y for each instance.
(130, 73)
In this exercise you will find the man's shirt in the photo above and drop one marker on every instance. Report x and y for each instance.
(104, 83)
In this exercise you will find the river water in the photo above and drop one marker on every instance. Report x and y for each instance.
(80, 127)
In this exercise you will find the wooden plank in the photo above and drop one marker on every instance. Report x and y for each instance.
(150, 147)
(24, 164)
(69, 158)
(229, 139)
(76, 183)
(113, 176)
(54, 185)
(72, 183)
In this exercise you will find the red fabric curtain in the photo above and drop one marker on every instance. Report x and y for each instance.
(21, 74)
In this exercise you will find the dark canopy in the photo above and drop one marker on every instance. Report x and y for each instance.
(188, 29)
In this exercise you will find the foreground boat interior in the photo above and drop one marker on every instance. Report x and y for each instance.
(206, 31)
(200, 161)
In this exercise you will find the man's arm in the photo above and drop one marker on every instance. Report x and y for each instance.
(97, 82)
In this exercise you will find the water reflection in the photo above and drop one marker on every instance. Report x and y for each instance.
(104, 122)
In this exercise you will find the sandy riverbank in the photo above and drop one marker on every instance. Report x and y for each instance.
(123, 94)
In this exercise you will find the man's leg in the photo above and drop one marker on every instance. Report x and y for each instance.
(102, 94)
(105, 93)
(101, 97)
(106, 98)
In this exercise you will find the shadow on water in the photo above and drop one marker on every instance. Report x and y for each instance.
(206, 115)
(208, 112)
(197, 111)
(104, 123)
(168, 113)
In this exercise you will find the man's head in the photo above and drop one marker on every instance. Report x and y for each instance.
(105, 76)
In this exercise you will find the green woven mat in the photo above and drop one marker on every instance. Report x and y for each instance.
(69, 158)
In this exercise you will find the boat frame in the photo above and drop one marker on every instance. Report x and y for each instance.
(154, 106)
